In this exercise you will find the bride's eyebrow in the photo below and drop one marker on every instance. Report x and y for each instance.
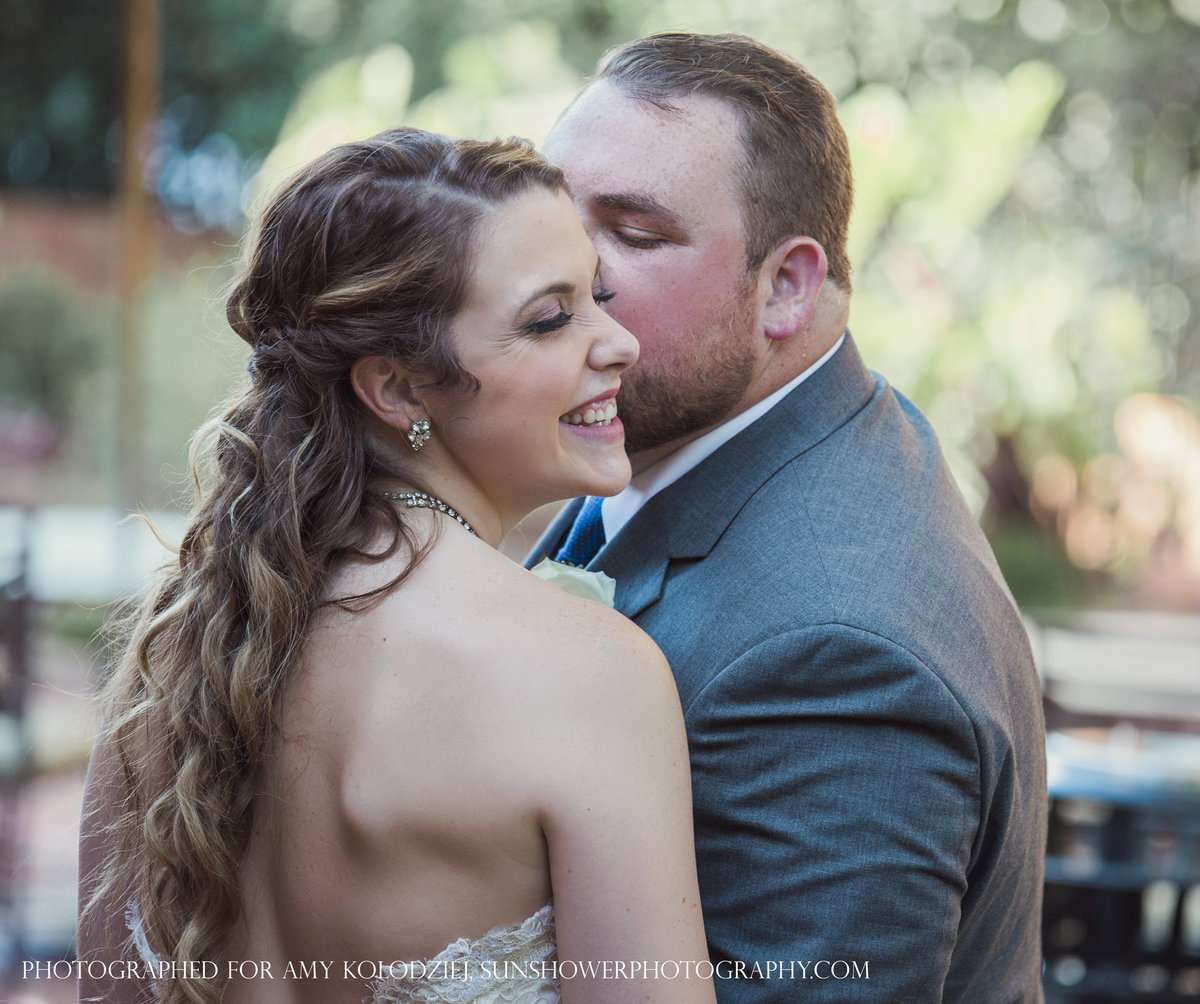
(554, 289)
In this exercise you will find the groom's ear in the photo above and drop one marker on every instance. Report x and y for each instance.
(389, 390)
(791, 278)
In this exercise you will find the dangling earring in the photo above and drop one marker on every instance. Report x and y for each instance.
(418, 435)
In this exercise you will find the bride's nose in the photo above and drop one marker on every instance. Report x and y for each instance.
(614, 346)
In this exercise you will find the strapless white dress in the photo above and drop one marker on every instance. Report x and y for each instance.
(511, 964)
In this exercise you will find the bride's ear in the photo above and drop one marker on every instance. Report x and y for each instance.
(388, 389)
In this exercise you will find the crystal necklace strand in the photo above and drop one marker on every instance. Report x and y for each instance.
(419, 500)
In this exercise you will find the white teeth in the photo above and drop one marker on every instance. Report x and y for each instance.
(593, 415)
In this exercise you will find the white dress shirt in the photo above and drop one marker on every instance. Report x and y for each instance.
(618, 510)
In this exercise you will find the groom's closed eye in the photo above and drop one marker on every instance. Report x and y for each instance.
(635, 240)
(637, 220)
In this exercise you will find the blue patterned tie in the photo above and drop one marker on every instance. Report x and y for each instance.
(586, 535)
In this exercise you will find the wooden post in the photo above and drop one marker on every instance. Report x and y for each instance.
(139, 119)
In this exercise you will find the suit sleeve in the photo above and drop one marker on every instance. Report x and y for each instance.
(837, 799)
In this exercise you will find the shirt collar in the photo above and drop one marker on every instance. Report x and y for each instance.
(620, 509)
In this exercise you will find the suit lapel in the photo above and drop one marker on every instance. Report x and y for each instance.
(637, 585)
(639, 570)
(687, 518)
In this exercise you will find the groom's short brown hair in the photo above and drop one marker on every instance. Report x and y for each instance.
(796, 178)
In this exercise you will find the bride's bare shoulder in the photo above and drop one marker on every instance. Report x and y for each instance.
(475, 629)
(469, 606)
(558, 635)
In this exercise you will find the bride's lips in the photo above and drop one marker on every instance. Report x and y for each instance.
(597, 417)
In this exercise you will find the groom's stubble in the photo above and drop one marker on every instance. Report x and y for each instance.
(696, 384)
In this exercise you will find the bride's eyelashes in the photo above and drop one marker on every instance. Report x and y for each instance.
(560, 320)
(548, 324)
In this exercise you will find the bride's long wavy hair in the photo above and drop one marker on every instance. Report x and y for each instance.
(366, 252)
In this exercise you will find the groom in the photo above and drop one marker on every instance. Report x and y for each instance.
(862, 708)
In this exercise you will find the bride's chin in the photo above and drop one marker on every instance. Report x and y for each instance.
(575, 476)
(609, 485)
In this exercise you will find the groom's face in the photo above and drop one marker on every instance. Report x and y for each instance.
(658, 193)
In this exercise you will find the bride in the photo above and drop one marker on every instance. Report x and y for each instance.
(346, 731)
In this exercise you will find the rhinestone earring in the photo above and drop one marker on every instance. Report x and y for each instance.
(418, 435)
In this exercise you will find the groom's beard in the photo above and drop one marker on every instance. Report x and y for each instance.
(694, 390)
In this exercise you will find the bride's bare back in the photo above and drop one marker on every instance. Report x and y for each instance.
(442, 755)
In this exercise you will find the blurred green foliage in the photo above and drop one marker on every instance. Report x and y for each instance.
(1038, 570)
(52, 340)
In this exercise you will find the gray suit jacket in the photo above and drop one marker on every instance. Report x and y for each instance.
(863, 713)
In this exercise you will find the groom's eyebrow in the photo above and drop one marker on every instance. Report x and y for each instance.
(635, 203)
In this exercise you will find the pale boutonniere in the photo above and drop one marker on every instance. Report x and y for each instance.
(577, 581)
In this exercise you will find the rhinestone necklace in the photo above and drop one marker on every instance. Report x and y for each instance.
(419, 500)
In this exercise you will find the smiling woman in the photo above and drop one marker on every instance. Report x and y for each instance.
(548, 359)
(343, 726)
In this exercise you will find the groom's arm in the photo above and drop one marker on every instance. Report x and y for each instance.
(837, 792)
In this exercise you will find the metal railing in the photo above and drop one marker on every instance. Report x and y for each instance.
(16, 748)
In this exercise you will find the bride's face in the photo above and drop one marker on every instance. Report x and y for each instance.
(543, 424)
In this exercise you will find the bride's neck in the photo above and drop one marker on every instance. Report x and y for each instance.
(464, 499)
